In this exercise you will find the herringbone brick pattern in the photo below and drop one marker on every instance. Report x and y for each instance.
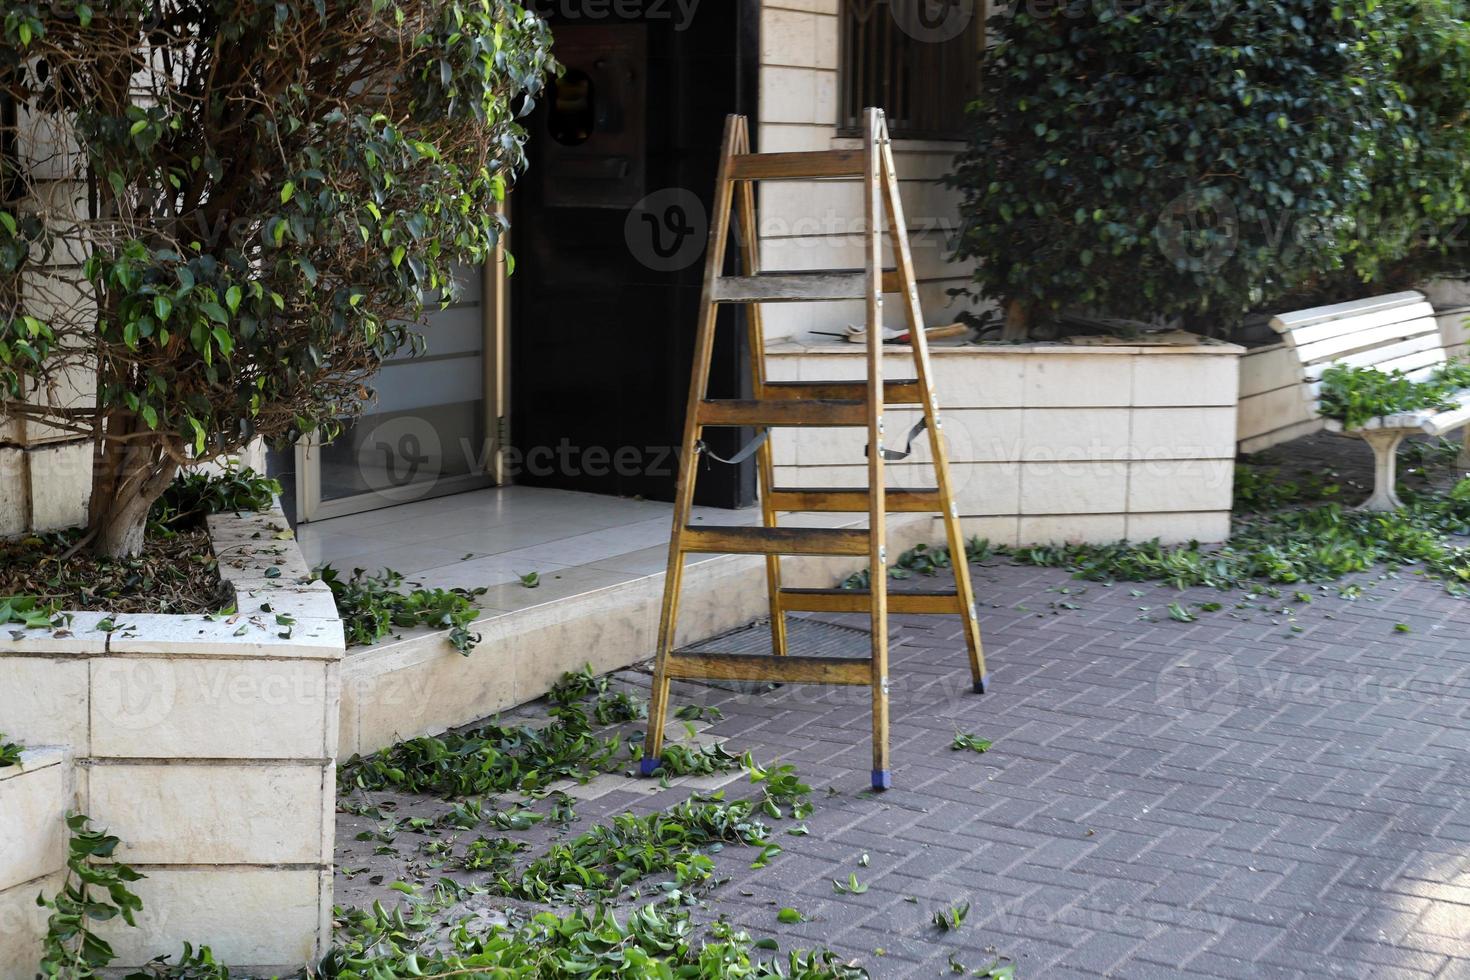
(1279, 788)
(1257, 793)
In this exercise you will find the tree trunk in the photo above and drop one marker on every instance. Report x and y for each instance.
(120, 533)
(127, 477)
(1018, 321)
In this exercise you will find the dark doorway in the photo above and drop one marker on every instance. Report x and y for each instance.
(608, 231)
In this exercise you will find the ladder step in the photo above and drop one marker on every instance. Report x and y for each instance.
(775, 540)
(858, 600)
(764, 667)
(798, 166)
(846, 500)
(905, 392)
(798, 287)
(729, 411)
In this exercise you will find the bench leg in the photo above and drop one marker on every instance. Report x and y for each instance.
(1463, 460)
(1385, 445)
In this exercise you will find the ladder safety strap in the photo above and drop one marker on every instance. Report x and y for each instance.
(746, 451)
(894, 455)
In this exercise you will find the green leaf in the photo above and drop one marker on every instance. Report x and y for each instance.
(199, 433)
(789, 916)
(288, 189)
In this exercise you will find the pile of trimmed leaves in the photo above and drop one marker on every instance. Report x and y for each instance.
(373, 606)
(494, 758)
(608, 860)
(1299, 534)
(1355, 396)
(652, 943)
(1285, 532)
(483, 760)
(667, 854)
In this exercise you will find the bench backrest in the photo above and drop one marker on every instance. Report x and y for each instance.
(1396, 332)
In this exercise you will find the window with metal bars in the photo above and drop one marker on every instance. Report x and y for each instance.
(914, 59)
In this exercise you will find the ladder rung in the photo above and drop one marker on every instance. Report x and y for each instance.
(894, 392)
(798, 287)
(729, 411)
(798, 166)
(857, 600)
(846, 500)
(764, 667)
(775, 540)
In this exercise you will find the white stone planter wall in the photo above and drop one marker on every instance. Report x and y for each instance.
(34, 799)
(1451, 299)
(1273, 404)
(206, 745)
(46, 471)
(1050, 442)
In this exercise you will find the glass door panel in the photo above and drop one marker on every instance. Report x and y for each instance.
(425, 435)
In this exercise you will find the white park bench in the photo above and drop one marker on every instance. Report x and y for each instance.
(1388, 333)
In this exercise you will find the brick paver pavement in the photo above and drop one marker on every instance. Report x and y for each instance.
(1249, 794)
(1278, 788)
(1252, 794)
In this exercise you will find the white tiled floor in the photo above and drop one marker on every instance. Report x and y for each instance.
(576, 541)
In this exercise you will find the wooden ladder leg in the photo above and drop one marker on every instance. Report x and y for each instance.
(749, 239)
(877, 505)
(954, 531)
(658, 702)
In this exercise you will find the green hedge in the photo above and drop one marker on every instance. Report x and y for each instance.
(1211, 157)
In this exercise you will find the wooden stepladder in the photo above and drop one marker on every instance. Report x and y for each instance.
(777, 404)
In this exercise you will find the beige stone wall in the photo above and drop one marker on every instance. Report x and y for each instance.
(1274, 407)
(1451, 299)
(207, 745)
(34, 800)
(818, 224)
(46, 471)
(1049, 443)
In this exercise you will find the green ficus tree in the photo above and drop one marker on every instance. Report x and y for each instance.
(220, 216)
(1205, 158)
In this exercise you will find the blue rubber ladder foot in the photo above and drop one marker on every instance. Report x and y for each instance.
(649, 764)
(983, 684)
(882, 779)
